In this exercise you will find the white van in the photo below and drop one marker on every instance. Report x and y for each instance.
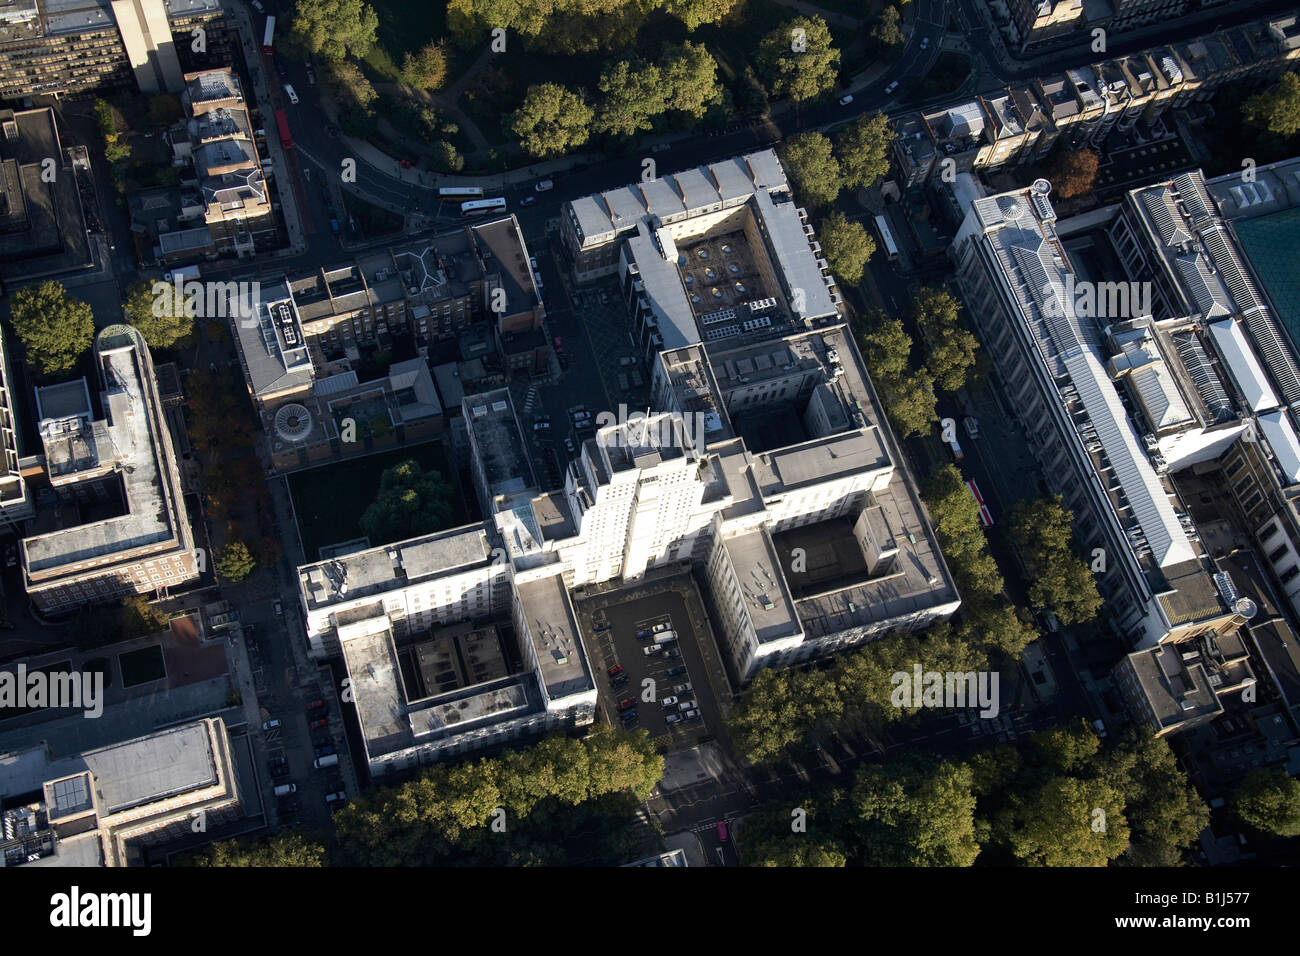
(545, 185)
(293, 97)
(285, 789)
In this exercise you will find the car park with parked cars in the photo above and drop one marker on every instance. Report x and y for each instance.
(669, 701)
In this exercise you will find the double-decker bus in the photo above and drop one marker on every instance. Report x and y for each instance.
(481, 207)
(460, 193)
(886, 238)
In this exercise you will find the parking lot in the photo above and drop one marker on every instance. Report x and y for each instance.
(668, 690)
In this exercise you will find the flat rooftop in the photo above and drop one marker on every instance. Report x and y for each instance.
(767, 597)
(403, 563)
(544, 605)
(139, 441)
(498, 441)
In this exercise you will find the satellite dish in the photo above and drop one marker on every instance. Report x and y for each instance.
(293, 422)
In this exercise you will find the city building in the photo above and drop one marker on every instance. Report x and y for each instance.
(1173, 688)
(105, 806)
(1081, 107)
(1069, 353)
(76, 47)
(766, 468)
(112, 522)
(228, 178)
(705, 253)
(43, 225)
(1217, 253)
(16, 502)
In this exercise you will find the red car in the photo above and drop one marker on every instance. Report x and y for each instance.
(627, 703)
(317, 704)
(319, 723)
(616, 670)
(406, 164)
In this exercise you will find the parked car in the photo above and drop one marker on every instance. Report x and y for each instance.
(891, 87)
(541, 426)
(619, 681)
(317, 704)
(652, 650)
(320, 723)
(629, 717)
(1101, 727)
(257, 5)
(616, 670)
(324, 751)
(271, 725)
(688, 705)
(660, 148)
(278, 608)
(604, 626)
(336, 795)
(672, 718)
(545, 185)
(846, 99)
(692, 715)
(669, 702)
(643, 635)
(661, 627)
(670, 653)
(627, 703)
(972, 427)
(528, 201)
(682, 689)
(676, 671)
(569, 445)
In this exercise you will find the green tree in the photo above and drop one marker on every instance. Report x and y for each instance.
(847, 246)
(996, 625)
(334, 29)
(236, 562)
(55, 328)
(752, 98)
(863, 150)
(690, 77)
(351, 85)
(798, 60)
(552, 120)
(696, 13)
(887, 349)
(411, 502)
(1058, 579)
(164, 318)
(912, 404)
(445, 158)
(1165, 814)
(887, 31)
(1276, 111)
(1269, 801)
(952, 347)
(800, 852)
(632, 97)
(284, 849)
(136, 617)
(813, 168)
(1068, 821)
(914, 814)
(426, 69)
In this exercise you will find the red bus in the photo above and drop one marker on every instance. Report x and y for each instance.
(282, 121)
(268, 38)
(986, 516)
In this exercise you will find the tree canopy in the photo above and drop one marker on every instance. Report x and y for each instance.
(847, 246)
(433, 818)
(798, 60)
(1276, 111)
(411, 501)
(426, 69)
(952, 347)
(55, 329)
(334, 29)
(813, 168)
(863, 150)
(1269, 801)
(552, 120)
(236, 562)
(285, 849)
(1059, 580)
(162, 316)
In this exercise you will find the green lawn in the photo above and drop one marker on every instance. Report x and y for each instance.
(330, 500)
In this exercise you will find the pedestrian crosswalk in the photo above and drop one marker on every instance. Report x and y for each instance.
(530, 399)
